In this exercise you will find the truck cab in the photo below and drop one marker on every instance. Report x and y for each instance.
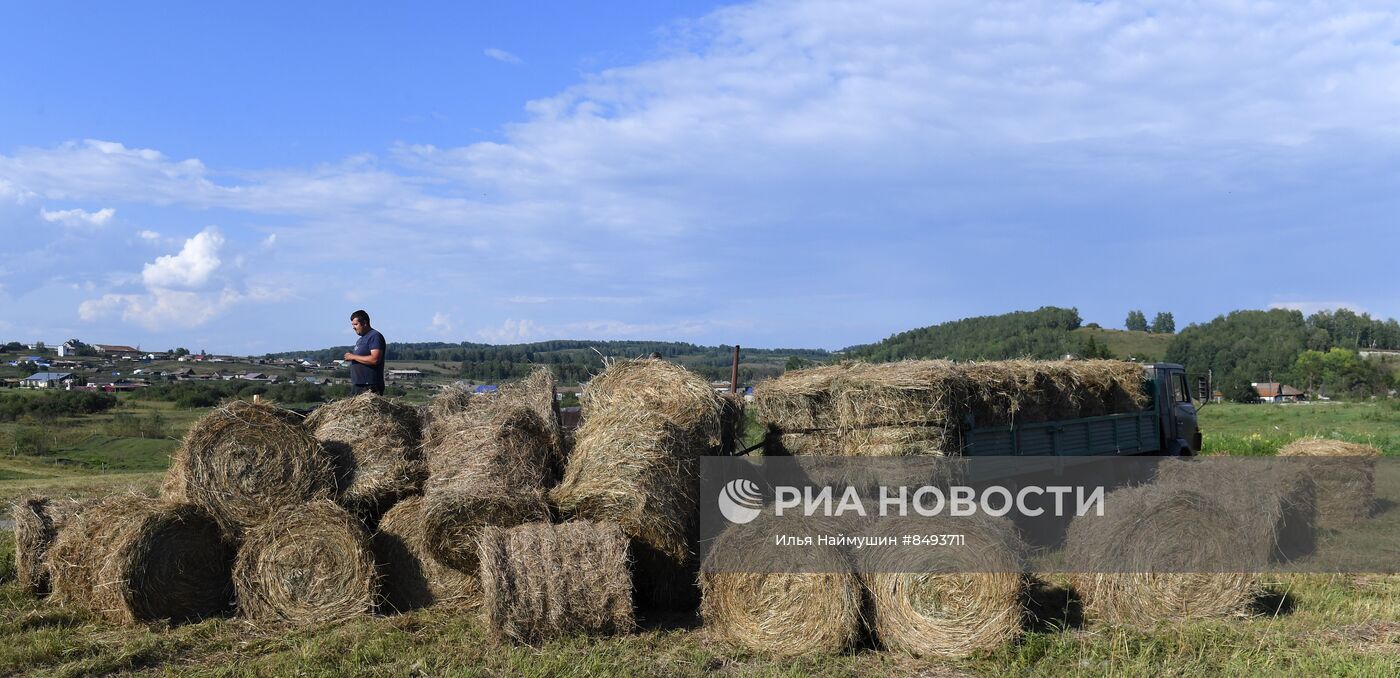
(1171, 397)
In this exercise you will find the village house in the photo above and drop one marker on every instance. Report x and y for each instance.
(48, 380)
(1274, 392)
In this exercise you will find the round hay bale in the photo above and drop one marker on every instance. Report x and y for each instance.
(541, 581)
(1345, 474)
(640, 470)
(1161, 554)
(489, 468)
(307, 563)
(243, 461)
(410, 578)
(135, 559)
(38, 522)
(1275, 500)
(682, 397)
(752, 598)
(951, 603)
(375, 444)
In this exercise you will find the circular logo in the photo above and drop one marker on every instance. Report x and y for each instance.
(740, 501)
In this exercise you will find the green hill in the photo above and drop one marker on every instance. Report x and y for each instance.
(1145, 346)
(1045, 333)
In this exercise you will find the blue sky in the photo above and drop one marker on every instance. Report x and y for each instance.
(814, 174)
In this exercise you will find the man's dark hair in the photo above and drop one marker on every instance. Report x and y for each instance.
(361, 316)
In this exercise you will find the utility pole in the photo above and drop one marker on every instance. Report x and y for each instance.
(734, 373)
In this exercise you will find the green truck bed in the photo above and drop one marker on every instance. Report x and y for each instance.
(1132, 433)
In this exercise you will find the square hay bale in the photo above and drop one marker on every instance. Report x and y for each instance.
(541, 581)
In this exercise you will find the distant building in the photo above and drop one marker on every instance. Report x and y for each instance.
(117, 350)
(1274, 392)
(403, 375)
(48, 380)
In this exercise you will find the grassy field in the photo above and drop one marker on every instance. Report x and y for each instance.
(1304, 624)
(1142, 345)
(1231, 428)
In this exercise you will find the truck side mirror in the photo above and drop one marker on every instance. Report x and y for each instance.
(1203, 393)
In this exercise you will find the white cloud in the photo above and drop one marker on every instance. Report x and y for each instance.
(191, 268)
(514, 331)
(441, 324)
(502, 55)
(178, 289)
(270, 240)
(78, 217)
(162, 309)
(510, 332)
(151, 236)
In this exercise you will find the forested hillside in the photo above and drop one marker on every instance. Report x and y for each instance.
(1044, 333)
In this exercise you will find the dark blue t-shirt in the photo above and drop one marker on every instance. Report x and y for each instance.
(364, 375)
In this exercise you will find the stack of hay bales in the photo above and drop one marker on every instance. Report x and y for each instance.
(1275, 501)
(243, 461)
(635, 462)
(1161, 553)
(375, 445)
(763, 599)
(38, 522)
(1345, 474)
(951, 603)
(304, 564)
(919, 407)
(541, 581)
(134, 559)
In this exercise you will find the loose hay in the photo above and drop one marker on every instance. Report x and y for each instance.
(410, 578)
(243, 461)
(375, 444)
(963, 600)
(1164, 554)
(1275, 501)
(1345, 474)
(307, 563)
(489, 468)
(753, 599)
(38, 522)
(134, 559)
(541, 581)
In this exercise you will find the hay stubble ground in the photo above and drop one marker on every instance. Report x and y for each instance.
(1309, 625)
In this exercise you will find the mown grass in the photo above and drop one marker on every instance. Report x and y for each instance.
(1335, 626)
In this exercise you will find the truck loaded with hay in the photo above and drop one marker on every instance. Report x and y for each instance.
(1013, 407)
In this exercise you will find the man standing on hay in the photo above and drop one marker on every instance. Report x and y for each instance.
(367, 358)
